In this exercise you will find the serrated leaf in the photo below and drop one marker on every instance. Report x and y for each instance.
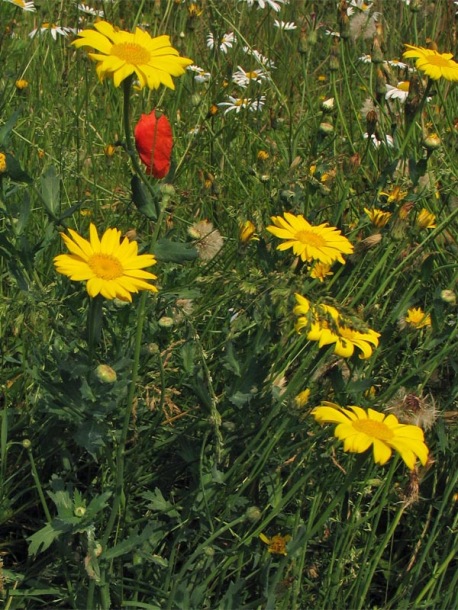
(129, 544)
(169, 251)
(42, 540)
(158, 503)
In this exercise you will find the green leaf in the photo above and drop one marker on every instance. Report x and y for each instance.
(8, 128)
(168, 251)
(15, 171)
(42, 540)
(50, 191)
(143, 200)
(158, 503)
(129, 544)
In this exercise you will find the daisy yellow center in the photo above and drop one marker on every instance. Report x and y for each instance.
(375, 429)
(131, 53)
(438, 60)
(105, 266)
(251, 74)
(310, 239)
(239, 102)
(404, 85)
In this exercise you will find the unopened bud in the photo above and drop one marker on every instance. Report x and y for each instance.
(105, 373)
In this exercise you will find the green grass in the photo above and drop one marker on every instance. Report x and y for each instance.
(151, 492)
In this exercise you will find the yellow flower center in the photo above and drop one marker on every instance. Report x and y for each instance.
(105, 266)
(251, 74)
(438, 60)
(404, 85)
(375, 429)
(131, 53)
(310, 238)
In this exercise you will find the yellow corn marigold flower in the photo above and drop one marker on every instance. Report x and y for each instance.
(417, 318)
(322, 243)
(324, 324)
(426, 220)
(378, 218)
(359, 429)
(320, 270)
(302, 398)
(395, 195)
(109, 150)
(263, 155)
(277, 544)
(120, 54)
(434, 64)
(21, 84)
(3, 165)
(110, 267)
(247, 232)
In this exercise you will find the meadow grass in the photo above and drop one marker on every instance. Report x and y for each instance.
(163, 453)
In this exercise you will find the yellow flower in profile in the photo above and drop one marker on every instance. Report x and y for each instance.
(119, 54)
(359, 429)
(378, 218)
(247, 232)
(320, 271)
(426, 220)
(417, 318)
(302, 398)
(321, 243)
(324, 323)
(276, 544)
(395, 195)
(434, 64)
(110, 267)
(3, 165)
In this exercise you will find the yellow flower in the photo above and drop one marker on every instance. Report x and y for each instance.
(247, 232)
(109, 150)
(21, 84)
(302, 398)
(111, 268)
(320, 271)
(3, 165)
(426, 220)
(153, 60)
(359, 429)
(321, 243)
(417, 318)
(378, 218)
(432, 63)
(276, 544)
(263, 155)
(395, 195)
(324, 323)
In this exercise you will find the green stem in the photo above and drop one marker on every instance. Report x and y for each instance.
(411, 127)
(37, 482)
(94, 325)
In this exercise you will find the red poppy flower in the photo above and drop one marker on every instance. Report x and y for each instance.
(154, 142)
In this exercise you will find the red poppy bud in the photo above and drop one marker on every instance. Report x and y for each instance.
(154, 142)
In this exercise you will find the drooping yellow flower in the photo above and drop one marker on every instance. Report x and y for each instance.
(321, 243)
(110, 267)
(426, 220)
(434, 64)
(378, 218)
(302, 398)
(417, 318)
(119, 54)
(276, 544)
(320, 270)
(359, 429)
(324, 323)
(395, 195)
(247, 232)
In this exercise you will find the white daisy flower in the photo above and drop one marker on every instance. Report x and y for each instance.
(285, 25)
(365, 59)
(387, 140)
(262, 59)
(201, 76)
(329, 32)
(273, 4)
(226, 42)
(243, 79)
(239, 103)
(400, 92)
(26, 6)
(395, 63)
(84, 8)
(53, 29)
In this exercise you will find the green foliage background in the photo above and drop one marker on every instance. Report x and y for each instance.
(218, 451)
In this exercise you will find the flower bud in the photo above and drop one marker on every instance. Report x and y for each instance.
(448, 296)
(253, 514)
(105, 373)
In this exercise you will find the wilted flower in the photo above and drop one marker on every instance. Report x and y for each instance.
(359, 429)
(377, 141)
(395, 195)
(414, 409)
(208, 239)
(320, 271)
(154, 143)
(378, 218)
(247, 232)
(277, 544)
